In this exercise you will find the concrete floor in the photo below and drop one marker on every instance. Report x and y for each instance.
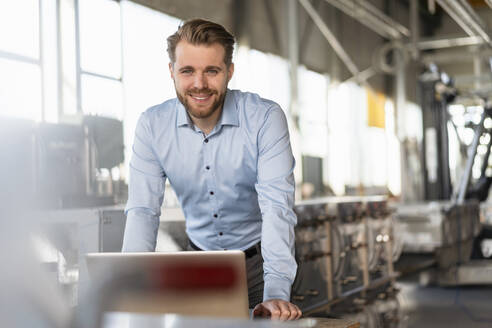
(445, 307)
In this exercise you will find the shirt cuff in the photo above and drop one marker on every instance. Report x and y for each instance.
(140, 231)
(276, 288)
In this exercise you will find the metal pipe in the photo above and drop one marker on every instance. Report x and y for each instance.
(461, 12)
(460, 193)
(370, 16)
(88, 161)
(453, 57)
(59, 82)
(448, 43)
(332, 40)
(362, 76)
(293, 28)
(477, 70)
(455, 16)
(390, 23)
(78, 76)
(359, 14)
(414, 25)
(473, 19)
(41, 60)
(465, 6)
(400, 93)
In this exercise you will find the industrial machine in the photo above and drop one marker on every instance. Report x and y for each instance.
(346, 247)
(446, 226)
(61, 164)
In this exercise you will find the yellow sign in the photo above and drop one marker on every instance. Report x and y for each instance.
(375, 109)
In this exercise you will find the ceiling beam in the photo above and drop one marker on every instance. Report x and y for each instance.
(332, 40)
(369, 15)
(464, 15)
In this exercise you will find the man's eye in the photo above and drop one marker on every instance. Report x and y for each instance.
(186, 71)
(212, 72)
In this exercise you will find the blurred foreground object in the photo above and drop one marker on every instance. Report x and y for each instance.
(114, 320)
(211, 284)
(28, 298)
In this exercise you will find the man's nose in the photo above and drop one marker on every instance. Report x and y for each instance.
(200, 81)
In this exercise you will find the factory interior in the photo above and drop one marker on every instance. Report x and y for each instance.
(387, 104)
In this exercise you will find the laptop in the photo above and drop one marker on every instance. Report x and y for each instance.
(201, 283)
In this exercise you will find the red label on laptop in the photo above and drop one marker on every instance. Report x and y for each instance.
(195, 277)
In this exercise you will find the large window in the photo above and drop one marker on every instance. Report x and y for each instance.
(100, 58)
(265, 74)
(147, 79)
(20, 63)
(313, 112)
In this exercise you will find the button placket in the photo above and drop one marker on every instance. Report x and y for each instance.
(208, 155)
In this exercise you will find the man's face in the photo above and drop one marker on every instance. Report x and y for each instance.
(200, 77)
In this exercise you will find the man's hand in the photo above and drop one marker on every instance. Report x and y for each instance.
(277, 309)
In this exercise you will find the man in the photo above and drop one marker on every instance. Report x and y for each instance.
(227, 155)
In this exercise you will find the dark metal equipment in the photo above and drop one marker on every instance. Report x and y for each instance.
(435, 93)
(346, 247)
(58, 163)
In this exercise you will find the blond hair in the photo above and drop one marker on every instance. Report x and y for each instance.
(199, 32)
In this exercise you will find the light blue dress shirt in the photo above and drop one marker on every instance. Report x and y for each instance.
(235, 185)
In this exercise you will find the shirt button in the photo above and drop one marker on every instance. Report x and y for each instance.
(220, 233)
(205, 140)
(207, 167)
(215, 216)
(211, 193)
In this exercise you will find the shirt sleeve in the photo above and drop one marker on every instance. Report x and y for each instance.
(145, 192)
(275, 188)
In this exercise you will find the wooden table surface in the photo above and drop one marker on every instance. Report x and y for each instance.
(335, 323)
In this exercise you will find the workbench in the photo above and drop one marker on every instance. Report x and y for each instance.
(134, 320)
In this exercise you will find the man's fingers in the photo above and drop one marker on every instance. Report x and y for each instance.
(277, 310)
(298, 311)
(274, 309)
(295, 312)
(284, 311)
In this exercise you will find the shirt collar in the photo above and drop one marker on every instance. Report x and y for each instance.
(183, 118)
(229, 112)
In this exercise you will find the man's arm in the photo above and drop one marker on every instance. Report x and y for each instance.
(275, 188)
(145, 192)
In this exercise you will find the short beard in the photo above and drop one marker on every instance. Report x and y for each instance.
(201, 115)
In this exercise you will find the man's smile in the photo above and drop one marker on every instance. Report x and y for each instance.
(201, 97)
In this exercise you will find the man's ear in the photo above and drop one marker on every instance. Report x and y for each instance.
(171, 70)
(230, 72)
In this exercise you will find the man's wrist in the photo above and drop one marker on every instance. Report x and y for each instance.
(276, 288)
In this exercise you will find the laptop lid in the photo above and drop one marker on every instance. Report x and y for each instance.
(203, 283)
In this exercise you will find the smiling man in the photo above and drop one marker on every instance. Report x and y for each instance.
(227, 155)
